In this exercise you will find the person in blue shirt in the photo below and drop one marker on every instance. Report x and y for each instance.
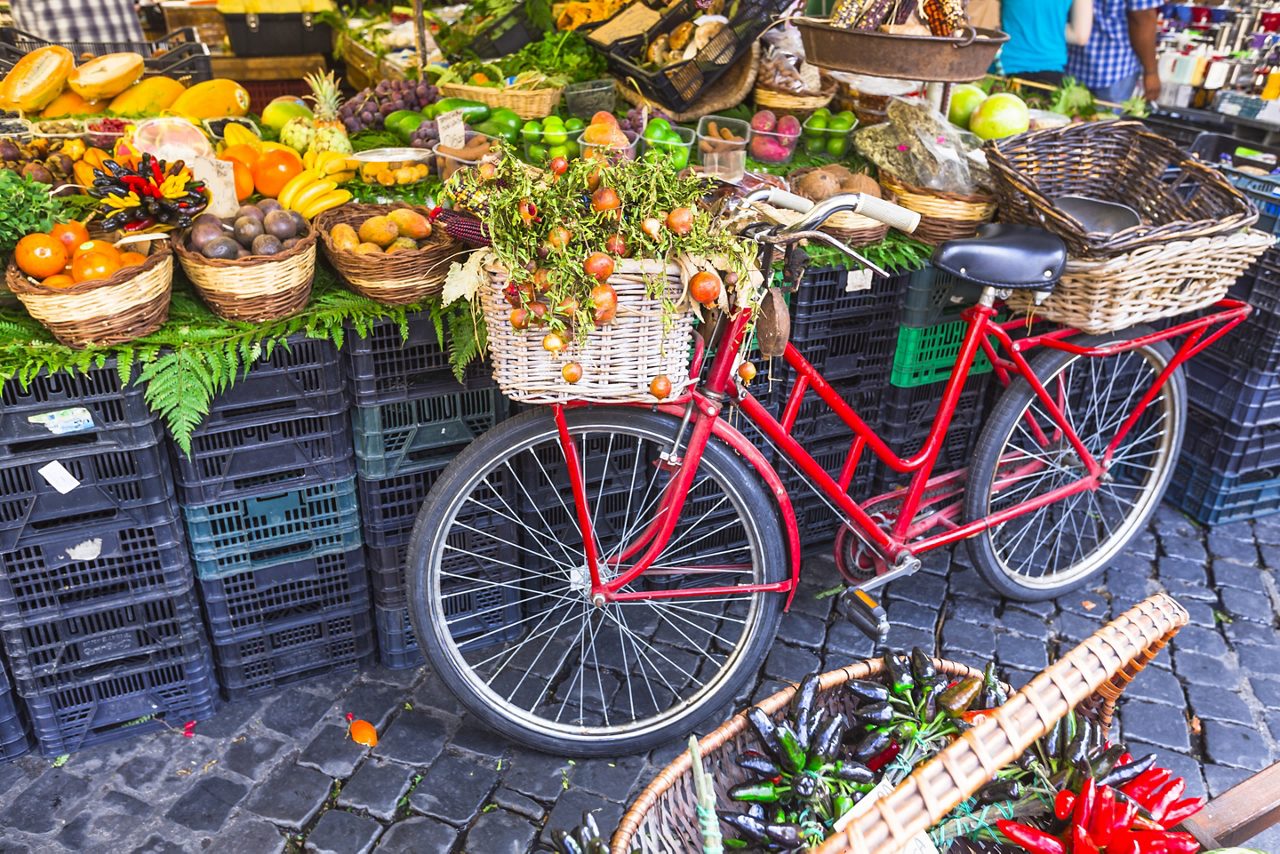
(1039, 32)
(1120, 57)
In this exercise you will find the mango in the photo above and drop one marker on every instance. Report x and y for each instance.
(37, 79)
(148, 97)
(212, 99)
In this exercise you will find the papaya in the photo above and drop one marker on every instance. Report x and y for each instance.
(95, 157)
(212, 99)
(106, 76)
(147, 97)
(71, 104)
(37, 79)
(83, 171)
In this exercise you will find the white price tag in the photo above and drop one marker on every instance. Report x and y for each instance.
(453, 131)
(858, 280)
(57, 476)
(77, 419)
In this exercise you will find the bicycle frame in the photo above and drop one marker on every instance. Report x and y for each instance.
(908, 534)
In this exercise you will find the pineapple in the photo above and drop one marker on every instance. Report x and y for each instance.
(327, 132)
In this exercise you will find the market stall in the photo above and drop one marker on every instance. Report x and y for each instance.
(287, 344)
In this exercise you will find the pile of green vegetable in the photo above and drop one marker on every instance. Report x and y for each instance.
(557, 60)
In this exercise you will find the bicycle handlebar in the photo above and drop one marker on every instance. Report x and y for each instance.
(860, 203)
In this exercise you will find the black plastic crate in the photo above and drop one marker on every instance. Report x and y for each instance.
(241, 462)
(146, 697)
(309, 645)
(858, 349)
(934, 296)
(1182, 130)
(908, 418)
(278, 34)
(1213, 499)
(1260, 285)
(179, 54)
(1220, 149)
(505, 36)
(64, 412)
(817, 422)
(82, 484)
(247, 604)
(1236, 394)
(49, 655)
(385, 367)
(14, 739)
(266, 530)
(823, 298)
(69, 573)
(1226, 449)
(301, 377)
(814, 511)
(1253, 344)
(397, 645)
(399, 438)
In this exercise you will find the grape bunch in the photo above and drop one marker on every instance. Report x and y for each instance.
(634, 120)
(425, 136)
(368, 108)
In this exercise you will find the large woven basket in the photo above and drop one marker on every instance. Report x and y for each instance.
(1176, 196)
(619, 359)
(253, 290)
(526, 103)
(398, 278)
(1090, 679)
(796, 105)
(1146, 284)
(132, 303)
(943, 216)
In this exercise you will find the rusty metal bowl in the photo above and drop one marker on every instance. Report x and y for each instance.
(945, 60)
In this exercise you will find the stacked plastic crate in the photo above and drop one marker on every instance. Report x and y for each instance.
(98, 612)
(1230, 464)
(268, 492)
(411, 418)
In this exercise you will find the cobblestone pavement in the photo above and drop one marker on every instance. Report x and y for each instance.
(277, 773)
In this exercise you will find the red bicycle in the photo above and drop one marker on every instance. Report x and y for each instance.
(595, 580)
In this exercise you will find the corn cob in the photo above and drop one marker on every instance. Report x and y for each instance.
(847, 12)
(944, 17)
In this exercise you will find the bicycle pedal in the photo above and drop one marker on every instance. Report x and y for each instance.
(867, 614)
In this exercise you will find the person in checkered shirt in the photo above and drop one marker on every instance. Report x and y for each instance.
(112, 21)
(1120, 57)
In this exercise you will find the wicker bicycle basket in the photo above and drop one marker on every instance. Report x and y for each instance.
(397, 278)
(1176, 196)
(255, 289)
(619, 359)
(525, 103)
(943, 216)
(132, 303)
(1089, 679)
(1146, 284)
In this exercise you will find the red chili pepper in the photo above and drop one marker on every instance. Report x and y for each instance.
(1161, 842)
(1085, 802)
(1033, 840)
(1181, 811)
(1123, 843)
(1125, 759)
(1063, 803)
(156, 172)
(884, 757)
(1081, 842)
(1144, 822)
(1103, 824)
(1142, 786)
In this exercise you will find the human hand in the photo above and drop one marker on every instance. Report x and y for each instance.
(1151, 86)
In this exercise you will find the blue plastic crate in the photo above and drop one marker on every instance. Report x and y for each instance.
(406, 436)
(306, 646)
(1214, 499)
(253, 533)
(1234, 393)
(1264, 192)
(127, 702)
(246, 604)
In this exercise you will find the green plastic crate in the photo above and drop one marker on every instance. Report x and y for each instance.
(404, 437)
(927, 355)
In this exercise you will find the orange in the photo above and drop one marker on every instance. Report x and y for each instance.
(61, 280)
(72, 234)
(102, 246)
(274, 169)
(40, 256)
(131, 259)
(244, 180)
(363, 732)
(246, 155)
(94, 265)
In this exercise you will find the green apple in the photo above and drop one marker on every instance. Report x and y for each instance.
(1000, 116)
(965, 98)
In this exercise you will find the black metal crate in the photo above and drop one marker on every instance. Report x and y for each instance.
(399, 438)
(385, 367)
(300, 377)
(82, 484)
(69, 573)
(307, 646)
(258, 459)
(130, 701)
(247, 604)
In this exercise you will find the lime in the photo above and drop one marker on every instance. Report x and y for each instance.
(536, 153)
(572, 147)
(841, 123)
(815, 145)
(574, 123)
(553, 122)
(837, 146)
(815, 125)
(560, 150)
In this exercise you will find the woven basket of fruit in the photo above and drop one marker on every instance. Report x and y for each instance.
(114, 294)
(526, 103)
(819, 183)
(388, 254)
(882, 754)
(255, 267)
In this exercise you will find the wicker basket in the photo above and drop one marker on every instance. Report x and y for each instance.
(253, 290)
(400, 278)
(1090, 678)
(618, 360)
(132, 303)
(1118, 162)
(1147, 284)
(526, 103)
(943, 216)
(853, 229)
(796, 105)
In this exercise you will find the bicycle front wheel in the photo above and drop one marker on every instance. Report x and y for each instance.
(500, 592)
(1022, 455)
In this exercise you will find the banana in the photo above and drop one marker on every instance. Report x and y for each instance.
(309, 160)
(291, 189)
(335, 164)
(310, 194)
(326, 202)
(342, 177)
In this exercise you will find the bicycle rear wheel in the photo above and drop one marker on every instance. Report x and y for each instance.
(1059, 547)
(501, 596)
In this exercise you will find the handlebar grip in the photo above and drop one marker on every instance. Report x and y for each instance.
(887, 212)
(790, 201)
